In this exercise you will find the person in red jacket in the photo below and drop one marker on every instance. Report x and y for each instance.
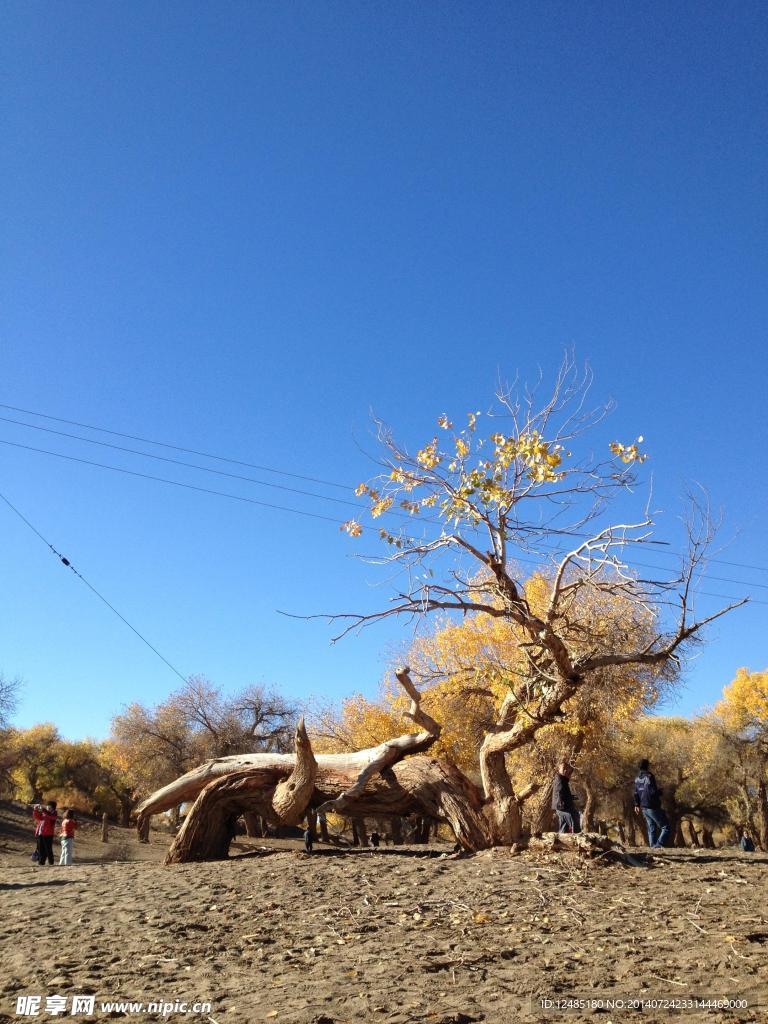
(45, 818)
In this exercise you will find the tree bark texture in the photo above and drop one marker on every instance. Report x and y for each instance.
(420, 785)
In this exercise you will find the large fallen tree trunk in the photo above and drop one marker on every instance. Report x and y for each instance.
(357, 767)
(284, 788)
(420, 785)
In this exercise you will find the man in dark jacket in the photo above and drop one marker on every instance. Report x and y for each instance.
(648, 800)
(563, 803)
(747, 843)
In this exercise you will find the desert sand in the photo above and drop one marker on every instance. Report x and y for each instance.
(397, 935)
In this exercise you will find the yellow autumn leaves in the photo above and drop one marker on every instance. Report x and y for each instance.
(429, 457)
(745, 702)
(628, 453)
(466, 491)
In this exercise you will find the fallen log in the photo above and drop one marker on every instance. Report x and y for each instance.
(590, 846)
(421, 785)
(356, 768)
(386, 780)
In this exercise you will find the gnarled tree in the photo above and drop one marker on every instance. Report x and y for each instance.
(488, 504)
(521, 491)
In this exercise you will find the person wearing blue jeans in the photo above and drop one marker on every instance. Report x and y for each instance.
(657, 825)
(648, 800)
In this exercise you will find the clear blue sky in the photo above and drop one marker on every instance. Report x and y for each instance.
(238, 227)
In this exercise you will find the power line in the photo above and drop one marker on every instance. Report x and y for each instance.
(66, 562)
(208, 469)
(188, 465)
(294, 511)
(249, 501)
(178, 448)
(659, 545)
(174, 483)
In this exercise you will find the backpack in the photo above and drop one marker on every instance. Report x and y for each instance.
(647, 789)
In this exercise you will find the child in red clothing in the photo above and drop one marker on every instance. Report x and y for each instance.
(44, 830)
(68, 826)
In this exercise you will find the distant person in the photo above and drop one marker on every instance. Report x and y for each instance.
(375, 839)
(563, 803)
(68, 826)
(309, 838)
(45, 827)
(747, 844)
(648, 800)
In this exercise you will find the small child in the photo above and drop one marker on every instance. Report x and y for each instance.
(68, 826)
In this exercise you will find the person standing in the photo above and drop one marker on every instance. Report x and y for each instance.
(648, 800)
(68, 826)
(563, 803)
(747, 844)
(45, 818)
(309, 838)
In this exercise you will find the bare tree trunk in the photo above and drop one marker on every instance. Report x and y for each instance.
(679, 838)
(143, 828)
(396, 830)
(292, 795)
(312, 822)
(175, 815)
(210, 823)
(359, 833)
(622, 834)
(541, 817)
(422, 828)
(672, 810)
(692, 836)
(762, 814)
(104, 828)
(629, 822)
(706, 837)
(588, 814)
(502, 810)
(252, 824)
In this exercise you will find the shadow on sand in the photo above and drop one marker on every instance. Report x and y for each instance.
(6, 886)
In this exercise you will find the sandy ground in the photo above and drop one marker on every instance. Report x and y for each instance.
(396, 936)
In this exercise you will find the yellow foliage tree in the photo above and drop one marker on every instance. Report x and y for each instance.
(744, 712)
(524, 487)
(466, 669)
(745, 704)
